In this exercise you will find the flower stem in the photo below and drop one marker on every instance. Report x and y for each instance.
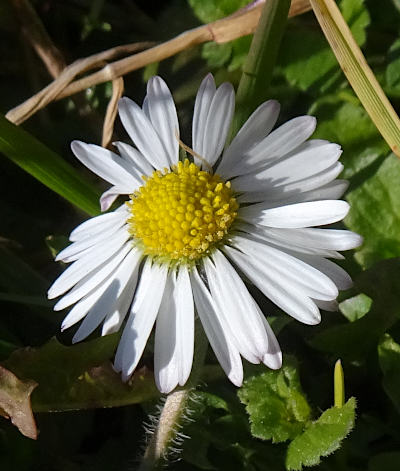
(260, 61)
(174, 411)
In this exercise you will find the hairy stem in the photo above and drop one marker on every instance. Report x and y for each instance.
(174, 410)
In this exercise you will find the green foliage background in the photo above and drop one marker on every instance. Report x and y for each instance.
(277, 420)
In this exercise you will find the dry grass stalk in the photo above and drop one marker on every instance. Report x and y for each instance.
(111, 113)
(35, 33)
(38, 101)
(239, 24)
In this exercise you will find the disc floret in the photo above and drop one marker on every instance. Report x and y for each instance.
(181, 213)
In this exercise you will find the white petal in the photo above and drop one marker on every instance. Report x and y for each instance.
(226, 353)
(142, 133)
(304, 162)
(273, 357)
(110, 298)
(165, 344)
(80, 309)
(201, 107)
(105, 164)
(218, 123)
(335, 272)
(138, 160)
(332, 191)
(162, 112)
(141, 319)
(330, 239)
(174, 341)
(312, 281)
(145, 107)
(281, 141)
(115, 318)
(110, 195)
(79, 269)
(238, 307)
(279, 290)
(261, 191)
(254, 129)
(82, 247)
(93, 279)
(99, 224)
(284, 240)
(185, 318)
(313, 213)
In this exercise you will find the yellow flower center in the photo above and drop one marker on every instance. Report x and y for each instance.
(181, 213)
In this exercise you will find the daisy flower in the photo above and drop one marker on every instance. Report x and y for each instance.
(192, 228)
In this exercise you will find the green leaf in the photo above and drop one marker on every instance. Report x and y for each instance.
(47, 167)
(392, 73)
(356, 307)
(212, 10)
(375, 213)
(341, 119)
(211, 400)
(357, 17)
(215, 54)
(389, 360)
(78, 376)
(354, 340)
(276, 404)
(357, 71)
(312, 63)
(322, 437)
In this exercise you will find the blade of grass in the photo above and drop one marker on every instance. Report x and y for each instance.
(260, 61)
(47, 167)
(358, 72)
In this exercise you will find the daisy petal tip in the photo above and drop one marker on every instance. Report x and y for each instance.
(274, 104)
(358, 240)
(107, 199)
(312, 320)
(58, 306)
(209, 78)
(116, 367)
(126, 376)
(166, 388)
(51, 294)
(75, 339)
(124, 103)
(65, 325)
(273, 361)
(155, 81)
(78, 147)
(236, 377)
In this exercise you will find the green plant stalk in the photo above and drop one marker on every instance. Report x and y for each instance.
(174, 410)
(338, 385)
(358, 72)
(260, 61)
(48, 167)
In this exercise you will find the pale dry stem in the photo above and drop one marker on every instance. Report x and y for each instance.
(241, 23)
(36, 35)
(111, 113)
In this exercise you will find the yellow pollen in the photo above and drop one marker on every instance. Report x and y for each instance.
(183, 213)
